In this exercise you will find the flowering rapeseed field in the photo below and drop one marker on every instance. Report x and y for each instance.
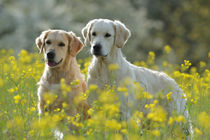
(19, 117)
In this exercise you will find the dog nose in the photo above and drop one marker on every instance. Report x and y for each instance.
(97, 47)
(50, 55)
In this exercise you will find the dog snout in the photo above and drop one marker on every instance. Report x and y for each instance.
(97, 47)
(50, 55)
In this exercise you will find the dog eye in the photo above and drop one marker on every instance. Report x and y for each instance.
(61, 44)
(94, 33)
(107, 35)
(48, 42)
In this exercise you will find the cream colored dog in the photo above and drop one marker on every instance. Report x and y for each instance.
(60, 49)
(106, 39)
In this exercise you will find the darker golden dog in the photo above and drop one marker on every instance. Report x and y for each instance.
(60, 49)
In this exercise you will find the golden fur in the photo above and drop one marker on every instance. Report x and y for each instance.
(67, 68)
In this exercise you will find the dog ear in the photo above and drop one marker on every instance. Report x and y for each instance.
(75, 44)
(40, 41)
(86, 32)
(122, 34)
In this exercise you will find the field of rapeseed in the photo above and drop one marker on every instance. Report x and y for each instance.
(19, 118)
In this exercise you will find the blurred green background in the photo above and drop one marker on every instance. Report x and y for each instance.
(182, 24)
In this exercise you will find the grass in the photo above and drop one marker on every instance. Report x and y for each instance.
(19, 115)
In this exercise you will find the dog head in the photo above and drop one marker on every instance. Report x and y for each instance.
(57, 45)
(103, 34)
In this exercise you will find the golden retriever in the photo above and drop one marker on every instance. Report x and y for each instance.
(60, 49)
(106, 38)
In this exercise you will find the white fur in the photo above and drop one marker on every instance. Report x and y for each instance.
(99, 73)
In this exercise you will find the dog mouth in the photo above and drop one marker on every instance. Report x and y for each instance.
(97, 54)
(52, 63)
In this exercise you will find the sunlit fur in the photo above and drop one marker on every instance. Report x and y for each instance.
(68, 70)
(99, 73)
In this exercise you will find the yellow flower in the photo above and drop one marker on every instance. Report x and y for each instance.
(193, 70)
(75, 83)
(112, 109)
(156, 132)
(57, 110)
(155, 102)
(167, 49)
(180, 118)
(133, 124)
(89, 131)
(124, 124)
(124, 131)
(117, 137)
(11, 90)
(168, 96)
(152, 54)
(23, 71)
(176, 73)
(64, 104)
(50, 98)
(137, 63)
(17, 98)
(150, 115)
(122, 89)
(194, 101)
(90, 122)
(170, 121)
(151, 105)
(24, 56)
(147, 95)
(113, 67)
(157, 114)
(186, 65)
(90, 111)
(93, 87)
(32, 109)
(46, 114)
(141, 63)
(202, 64)
(151, 58)
(11, 58)
(64, 87)
(138, 114)
(198, 132)
(31, 132)
(113, 125)
(146, 106)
